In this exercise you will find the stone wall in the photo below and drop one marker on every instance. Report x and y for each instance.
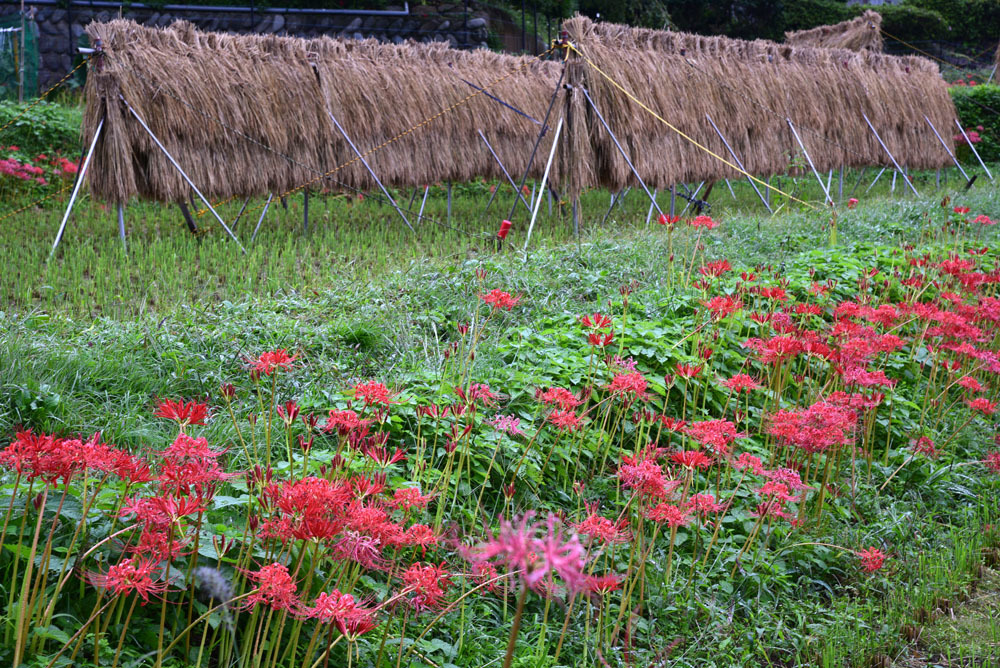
(61, 29)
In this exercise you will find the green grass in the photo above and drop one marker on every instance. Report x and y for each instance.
(89, 341)
(348, 240)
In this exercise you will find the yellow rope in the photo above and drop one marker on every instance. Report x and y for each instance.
(45, 94)
(681, 133)
(921, 51)
(409, 131)
(36, 202)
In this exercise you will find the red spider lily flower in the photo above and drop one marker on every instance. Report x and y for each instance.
(559, 397)
(600, 340)
(508, 424)
(643, 474)
(775, 293)
(962, 209)
(373, 393)
(428, 583)
(595, 321)
(130, 575)
(381, 455)
(741, 382)
(664, 219)
(564, 420)
(289, 412)
(181, 412)
(992, 461)
(704, 504)
(673, 424)
(357, 623)
(983, 405)
(984, 220)
(267, 363)
(601, 529)
(419, 535)
(161, 510)
(485, 575)
(691, 459)
(602, 585)
(816, 428)
(346, 422)
(687, 370)
(970, 383)
(669, 514)
(504, 229)
(924, 446)
(851, 203)
(406, 498)
(704, 221)
(722, 306)
(629, 385)
(716, 434)
(749, 461)
(715, 269)
(275, 588)
(537, 556)
(788, 477)
(500, 300)
(480, 392)
(330, 607)
(871, 559)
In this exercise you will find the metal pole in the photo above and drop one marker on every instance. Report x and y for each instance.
(809, 160)
(635, 173)
(730, 186)
(184, 175)
(649, 214)
(261, 219)
(545, 178)
(889, 153)
(948, 150)
(737, 160)
(673, 199)
(422, 203)
(505, 173)
(616, 199)
(693, 196)
(576, 217)
(974, 151)
(538, 140)
(840, 185)
(860, 177)
(449, 202)
(305, 210)
(21, 60)
(877, 177)
(76, 187)
(240, 214)
(121, 224)
(368, 167)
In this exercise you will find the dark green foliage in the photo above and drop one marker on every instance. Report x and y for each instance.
(46, 127)
(980, 106)
(969, 21)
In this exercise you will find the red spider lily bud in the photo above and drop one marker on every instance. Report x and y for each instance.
(323, 468)
(222, 544)
(504, 229)
(447, 354)
(508, 490)
(705, 353)
(472, 355)
(739, 415)
(481, 274)
(310, 420)
(668, 380)
(228, 390)
(255, 375)
(450, 446)
(625, 290)
(463, 328)
(586, 392)
(337, 463)
(671, 258)
(252, 419)
(253, 522)
(37, 501)
(288, 413)
(305, 444)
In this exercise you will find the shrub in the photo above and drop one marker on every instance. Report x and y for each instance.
(44, 128)
(978, 106)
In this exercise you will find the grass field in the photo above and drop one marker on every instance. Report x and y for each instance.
(740, 543)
